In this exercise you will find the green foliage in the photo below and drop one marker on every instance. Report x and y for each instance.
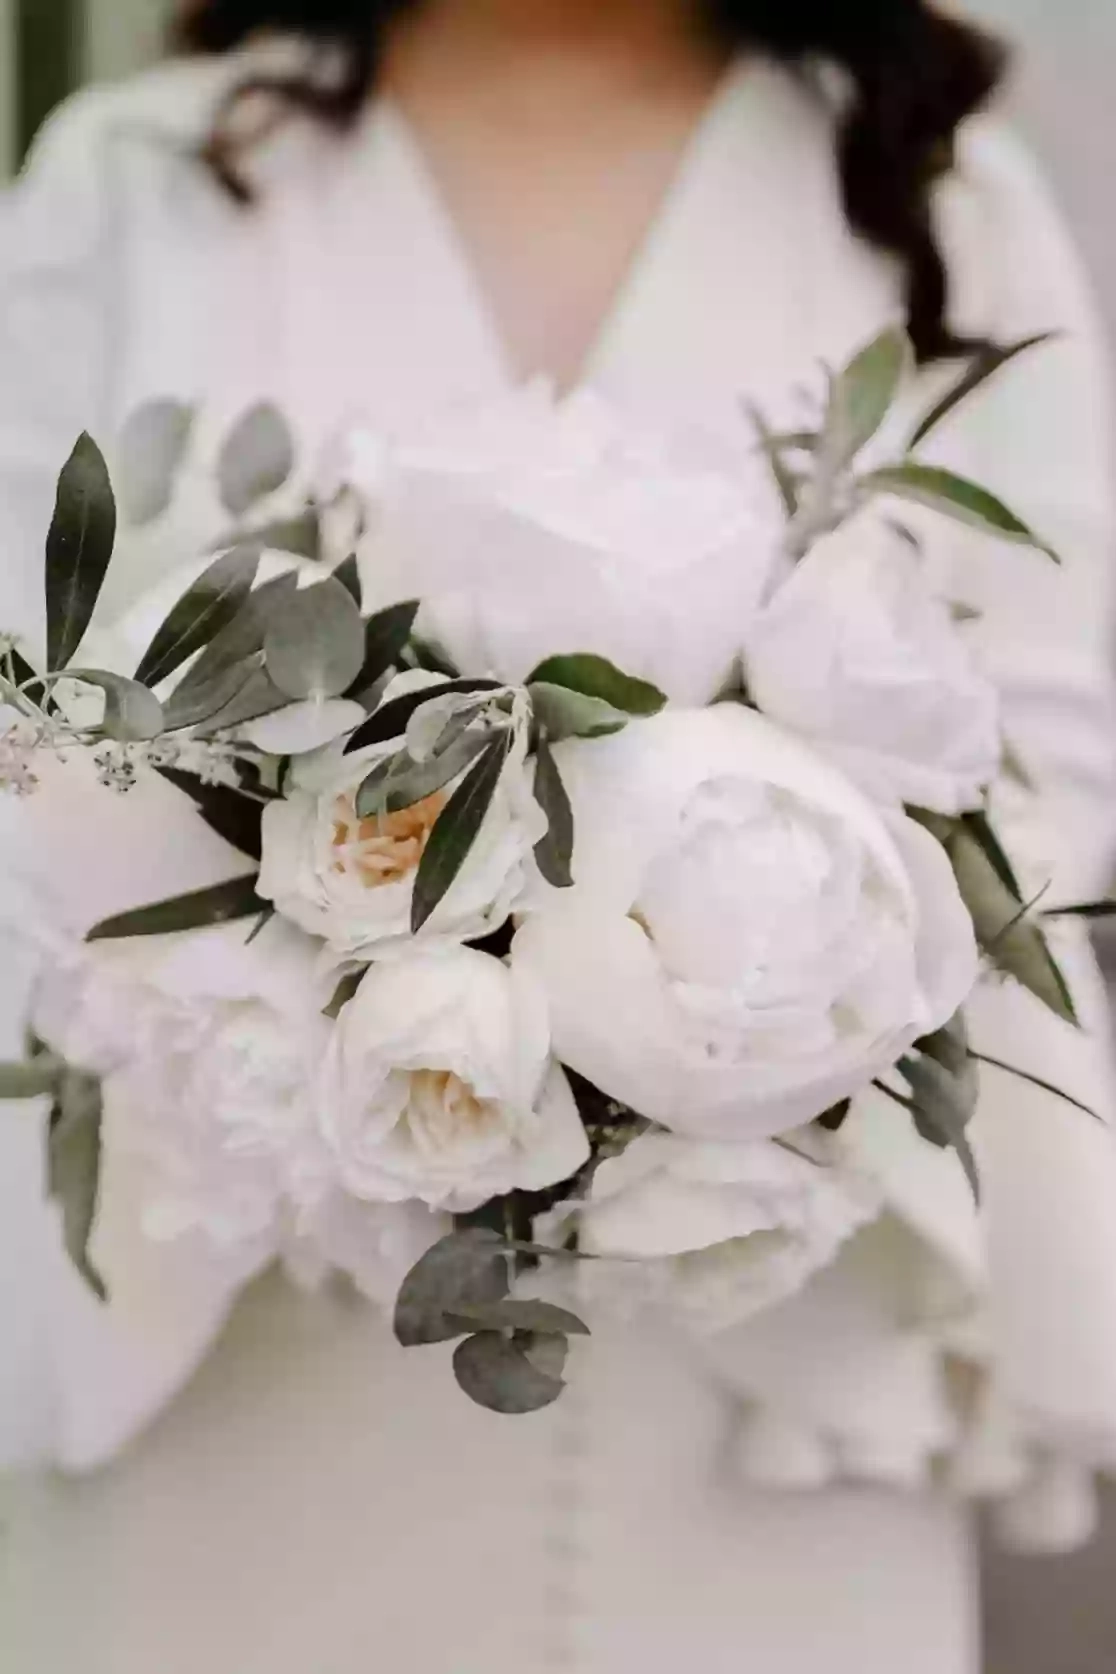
(861, 397)
(219, 904)
(256, 460)
(314, 642)
(500, 1373)
(554, 851)
(456, 830)
(74, 1168)
(391, 720)
(463, 1270)
(210, 605)
(943, 491)
(945, 1087)
(596, 677)
(132, 713)
(150, 452)
(984, 365)
(78, 550)
(563, 713)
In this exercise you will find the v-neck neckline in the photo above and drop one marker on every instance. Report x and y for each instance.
(390, 119)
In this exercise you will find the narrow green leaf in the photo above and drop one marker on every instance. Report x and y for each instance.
(199, 616)
(563, 713)
(256, 460)
(1035, 1081)
(385, 635)
(772, 446)
(261, 924)
(32, 1079)
(132, 713)
(985, 364)
(464, 1269)
(226, 662)
(78, 550)
(943, 491)
(1014, 945)
(527, 1315)
(342, 994)
(235, 817)
(314, 643)
(861, 397)
(348, 575)
(257, 696)
(596, 677)
(554, 851)
(74, 1168)
(497, 1374)
(219, 904)
(406, 782)
(150, 452)
(456, 830)
(834, 1120)
(391, 720)
(1089, 910)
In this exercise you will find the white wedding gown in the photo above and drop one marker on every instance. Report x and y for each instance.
(317, 1501)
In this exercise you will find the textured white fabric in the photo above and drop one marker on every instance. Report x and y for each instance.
(315, 1500)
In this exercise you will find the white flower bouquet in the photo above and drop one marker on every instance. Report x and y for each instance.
(532, 848)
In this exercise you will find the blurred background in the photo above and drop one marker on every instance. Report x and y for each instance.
(1042, 1616)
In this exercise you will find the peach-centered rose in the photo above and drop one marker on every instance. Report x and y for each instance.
(384, 848)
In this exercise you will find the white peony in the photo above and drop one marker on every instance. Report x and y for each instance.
(439, 1084)
(530, 528)
(209, 1046)
(716, 1229)
(749, 940)
(858, 653)
(351, 880)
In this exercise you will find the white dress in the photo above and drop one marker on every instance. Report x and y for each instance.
(317, 1500)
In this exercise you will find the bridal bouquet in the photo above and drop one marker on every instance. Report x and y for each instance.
(529, 851)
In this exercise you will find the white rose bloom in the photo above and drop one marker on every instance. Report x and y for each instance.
(439, 1084)
(858, 653)
(351, 880)
(209, 1046)
(717, 1229)
(749, 940)
(530, 528)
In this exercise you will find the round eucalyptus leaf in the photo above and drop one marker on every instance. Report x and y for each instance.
(464, 1269)
(257, 458)
(497, 1373)
(314, 646)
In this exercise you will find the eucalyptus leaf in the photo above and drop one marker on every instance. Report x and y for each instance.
(554, 851)
(219, 904)
(314, 645)
(546, 1350)
(497, 1374)
(400, 783)
(226, 662)
(78, 550)
(464, 1269)
(150, 451)
(299, 536)
(132, 713)
(391, 720)
(596, 677)
(526, 1315)
(943, 491)
(942, 1110)
(256, 460)
(232, 815)
(199, 616)
(32, 1079)
(861, 397)
(456, 830)
(74, 1168)
(256, 697)
(987, 362)
(568, 714)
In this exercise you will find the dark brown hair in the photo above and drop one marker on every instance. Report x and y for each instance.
(915, 75)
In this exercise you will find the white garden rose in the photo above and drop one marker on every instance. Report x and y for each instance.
(716, 1229)
(439, 1084)
(209, 1046)
(530, 528)
(749, 941)
(350, 880)
(859, 654)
